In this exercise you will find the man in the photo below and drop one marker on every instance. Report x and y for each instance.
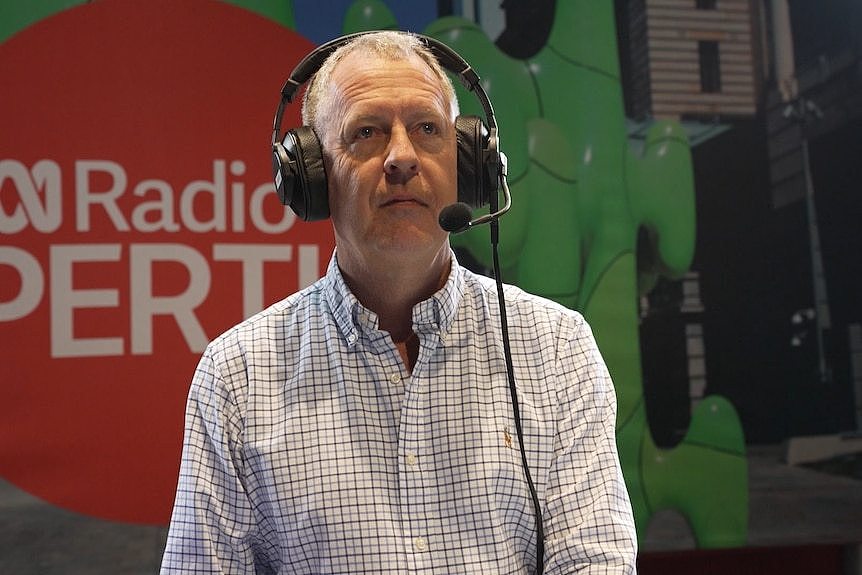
(363, 425)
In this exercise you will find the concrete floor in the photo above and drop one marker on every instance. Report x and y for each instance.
(788, 505)
(39, 539)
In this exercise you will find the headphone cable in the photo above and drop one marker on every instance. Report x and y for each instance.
(516, 411)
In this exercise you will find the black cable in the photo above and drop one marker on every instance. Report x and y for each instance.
(516, 411)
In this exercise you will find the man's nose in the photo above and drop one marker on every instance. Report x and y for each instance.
(401, 159)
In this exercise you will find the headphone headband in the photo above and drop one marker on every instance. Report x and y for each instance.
(448, 58)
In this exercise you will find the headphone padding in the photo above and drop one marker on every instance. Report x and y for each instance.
(471, 135)
(310, 198)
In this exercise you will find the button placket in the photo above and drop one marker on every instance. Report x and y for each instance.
(419, 515)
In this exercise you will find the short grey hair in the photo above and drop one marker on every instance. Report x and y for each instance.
(388, 45)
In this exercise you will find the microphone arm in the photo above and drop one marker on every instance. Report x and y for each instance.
(507, 203)
(456, 218)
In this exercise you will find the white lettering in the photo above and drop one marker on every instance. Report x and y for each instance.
(216, 189)
(32, 283)
(65, 299)
(309, 255)
(145, 304)
(202, 206)
(143, 301)
(252, 257)
(85, 197)
(162, 207)
(237, 194)
(256, 211)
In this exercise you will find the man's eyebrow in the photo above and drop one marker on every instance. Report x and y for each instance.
(362, 116)
(427, 112)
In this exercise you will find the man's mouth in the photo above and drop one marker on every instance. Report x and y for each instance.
(402, 199)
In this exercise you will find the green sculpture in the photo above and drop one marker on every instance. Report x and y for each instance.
(581, 197)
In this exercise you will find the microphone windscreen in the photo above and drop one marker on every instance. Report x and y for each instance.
(455, 217)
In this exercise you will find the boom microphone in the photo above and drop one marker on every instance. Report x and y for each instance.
(456, 218)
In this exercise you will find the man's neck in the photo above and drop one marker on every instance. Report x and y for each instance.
(391, 290)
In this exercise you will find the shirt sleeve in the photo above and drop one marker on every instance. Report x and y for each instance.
(212, 525)
(589, 527)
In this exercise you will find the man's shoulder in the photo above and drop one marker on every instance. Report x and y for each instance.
(279, 317)
(518, 300)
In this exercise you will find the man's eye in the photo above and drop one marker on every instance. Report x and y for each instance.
(364, 133)
(429, 128)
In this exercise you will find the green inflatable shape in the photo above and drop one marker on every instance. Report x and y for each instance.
(580, 35)
(280, 11)
(582, 196)
(15, 16)
(715, 444)
(368, 15)
(507, 82)
(612, 311)
(630, 436)
(665, 206)
(509, 85)
(544, 195)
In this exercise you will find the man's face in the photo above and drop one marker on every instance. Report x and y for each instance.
(390, 149)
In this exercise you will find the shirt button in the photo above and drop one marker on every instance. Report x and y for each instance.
(351, 338)
(395, 378)
(411, 459)
(420, 544)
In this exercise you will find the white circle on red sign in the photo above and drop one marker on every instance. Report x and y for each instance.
(139, 221)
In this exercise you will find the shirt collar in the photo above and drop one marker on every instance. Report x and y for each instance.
(434, 314)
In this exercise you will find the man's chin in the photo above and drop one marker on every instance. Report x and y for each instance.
(413, 243)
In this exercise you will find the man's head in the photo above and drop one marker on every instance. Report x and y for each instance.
(388, 46)
(384, 111)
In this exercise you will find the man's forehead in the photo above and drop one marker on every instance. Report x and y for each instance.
(364, 60)
(364, 74)
(359, 78)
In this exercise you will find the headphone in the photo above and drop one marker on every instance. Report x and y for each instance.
(297, 158)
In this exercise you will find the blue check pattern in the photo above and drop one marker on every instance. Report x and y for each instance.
(310, 449)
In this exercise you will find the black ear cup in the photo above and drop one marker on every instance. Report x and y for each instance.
(476, 179)
(299, 174)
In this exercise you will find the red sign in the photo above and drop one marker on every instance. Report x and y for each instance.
(138, 221)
